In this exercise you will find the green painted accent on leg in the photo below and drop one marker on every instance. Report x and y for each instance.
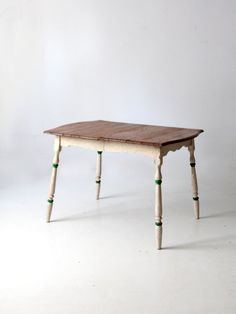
(99, 152)
(50, 201)
(158, 224)
(196, 198)
(192, 164)
(55, 165)
(159, 182)
(98, 181)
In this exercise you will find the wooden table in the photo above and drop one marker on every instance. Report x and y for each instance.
(151, 140)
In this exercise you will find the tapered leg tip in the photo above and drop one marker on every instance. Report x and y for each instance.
(48, 219)
(197, 215)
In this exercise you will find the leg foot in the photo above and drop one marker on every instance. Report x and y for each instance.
(158, 235)
(49, 212)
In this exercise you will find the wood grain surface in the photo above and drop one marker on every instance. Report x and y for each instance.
(154, 135)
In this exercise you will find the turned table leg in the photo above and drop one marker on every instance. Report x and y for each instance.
(191, 149)
(52, 187)
(98, 173)
(158, 201)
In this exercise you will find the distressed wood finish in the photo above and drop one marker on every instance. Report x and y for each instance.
(105, 136)
(52, 187)
(125, 132)
(108, 146)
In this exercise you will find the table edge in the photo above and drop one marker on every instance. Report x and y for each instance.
(127, 141)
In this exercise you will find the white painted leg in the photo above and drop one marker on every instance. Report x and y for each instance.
(158, 201)
(52, 187)
(98, 173)
(194, 180)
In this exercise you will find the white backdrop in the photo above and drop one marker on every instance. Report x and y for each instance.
(154, 62)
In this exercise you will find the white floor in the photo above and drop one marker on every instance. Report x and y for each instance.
(100, 257)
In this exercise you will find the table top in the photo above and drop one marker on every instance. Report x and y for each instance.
(143, 134)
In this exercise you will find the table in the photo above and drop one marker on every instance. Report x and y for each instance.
(107, 136)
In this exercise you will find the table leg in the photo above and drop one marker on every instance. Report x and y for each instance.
(191, 149)
(158, 201)
(52, 187)
(98, 173)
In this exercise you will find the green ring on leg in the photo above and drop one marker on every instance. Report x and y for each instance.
(98, 181)
(50, 201)
(159, 182)
(99, 152)
(158, 224)
(55, 165)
